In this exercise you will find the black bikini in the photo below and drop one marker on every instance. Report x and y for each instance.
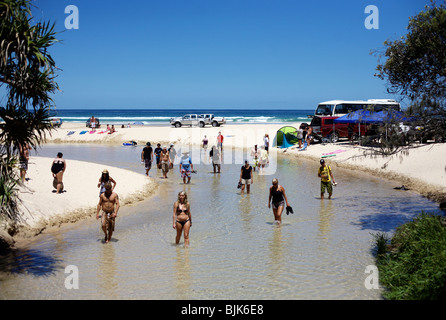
(58, 165)
(179, 211)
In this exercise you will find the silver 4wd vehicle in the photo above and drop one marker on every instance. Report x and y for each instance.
(213, 120)
(197, 120)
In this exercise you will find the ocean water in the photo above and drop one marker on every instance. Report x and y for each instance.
(160, 116)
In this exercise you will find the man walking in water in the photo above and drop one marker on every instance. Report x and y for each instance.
(327, 178)
(109, 203)
(147, 157)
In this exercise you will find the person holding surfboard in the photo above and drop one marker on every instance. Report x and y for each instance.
(327, 179)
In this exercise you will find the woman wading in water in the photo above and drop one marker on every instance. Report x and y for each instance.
(279, 200)
(182, 218)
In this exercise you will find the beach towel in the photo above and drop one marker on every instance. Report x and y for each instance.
(83, 132)
(334, 152)
(70, 133)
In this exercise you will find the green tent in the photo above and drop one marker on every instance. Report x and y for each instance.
(286, 137)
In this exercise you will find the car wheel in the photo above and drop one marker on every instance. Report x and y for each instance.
(215, 124)
(201, 124)
(334, 137)
(177, 125)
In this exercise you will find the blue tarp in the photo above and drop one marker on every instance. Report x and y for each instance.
(365, 116)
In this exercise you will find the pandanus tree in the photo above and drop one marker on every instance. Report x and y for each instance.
(27, 80)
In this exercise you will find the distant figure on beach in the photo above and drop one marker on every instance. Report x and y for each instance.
(309, 136)
(205, 143)
(23, 160)
(172, 155)
(109, 203)
(255, 153)
(327, 178)
(246, 177)
(220, 141)
(182, 218)
(264, 159)
(105, 177)
(279, 199)
(266, 142)
(57, 169)
(93, 123)
(165, 161)
(157, 152)
(147, 157)
(300, 135)
(215, 156)
(186, 167)
(112, 129)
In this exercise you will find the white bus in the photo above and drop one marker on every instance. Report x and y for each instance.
(338, 108)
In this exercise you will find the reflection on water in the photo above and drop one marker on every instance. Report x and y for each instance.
(236, 252)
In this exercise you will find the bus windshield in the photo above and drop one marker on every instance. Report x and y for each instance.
(324, 110)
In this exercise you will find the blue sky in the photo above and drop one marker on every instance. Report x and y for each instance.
(229, 54)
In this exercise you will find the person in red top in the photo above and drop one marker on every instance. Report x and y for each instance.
(220, 141)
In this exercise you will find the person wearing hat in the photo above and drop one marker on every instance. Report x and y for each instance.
(186, 167)
(105, 177)
(165, 161)
(147, 157)
(327, 179)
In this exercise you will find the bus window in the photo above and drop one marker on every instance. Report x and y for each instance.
(324, 110)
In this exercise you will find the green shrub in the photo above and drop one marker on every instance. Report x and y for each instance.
(414, 265)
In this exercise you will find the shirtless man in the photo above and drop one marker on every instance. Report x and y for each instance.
(109, 203)
(165, 161)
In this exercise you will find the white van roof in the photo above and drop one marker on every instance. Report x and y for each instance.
(359, 101)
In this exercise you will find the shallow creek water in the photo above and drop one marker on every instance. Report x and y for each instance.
(237, 252)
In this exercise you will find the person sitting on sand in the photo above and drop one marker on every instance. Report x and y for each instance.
(182, 218)
(57, 169)
(109, 203)
(112, 129)
(105, 177)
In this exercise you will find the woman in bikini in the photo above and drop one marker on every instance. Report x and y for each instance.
(57, 169)
(182, 218)
(279, 199)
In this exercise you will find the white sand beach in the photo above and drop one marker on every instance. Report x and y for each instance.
(421, 169)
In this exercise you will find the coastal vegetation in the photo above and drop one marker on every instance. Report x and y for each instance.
(27, 79)
(412, 264)
(414, 68)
